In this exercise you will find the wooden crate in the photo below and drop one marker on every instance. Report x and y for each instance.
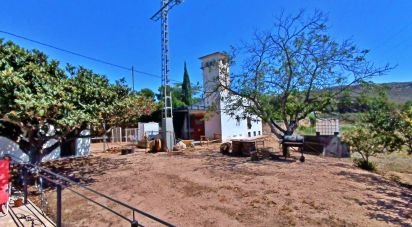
(240, 147)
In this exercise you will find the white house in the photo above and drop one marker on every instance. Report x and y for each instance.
(215, 67)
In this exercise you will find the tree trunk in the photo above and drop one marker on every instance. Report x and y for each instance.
(273, 129)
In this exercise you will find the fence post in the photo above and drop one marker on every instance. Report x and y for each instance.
(134, 223)
(25, 184)
(59, 206)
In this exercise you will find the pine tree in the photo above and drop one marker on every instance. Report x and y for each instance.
(186, 88)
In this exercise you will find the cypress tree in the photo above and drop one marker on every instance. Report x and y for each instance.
(186, 88)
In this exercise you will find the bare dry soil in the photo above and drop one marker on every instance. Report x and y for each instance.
(201, 187)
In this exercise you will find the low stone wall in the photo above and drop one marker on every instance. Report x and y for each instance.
(326, 145)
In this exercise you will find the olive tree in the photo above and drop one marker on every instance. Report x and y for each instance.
(292, 70)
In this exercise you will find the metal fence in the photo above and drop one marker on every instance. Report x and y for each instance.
(61, 182)
(327, 126)
(131, 135)
(116, 135)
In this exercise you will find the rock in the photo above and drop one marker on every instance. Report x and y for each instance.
(155, 146)
(254, 156)
(182, 145)
(225, 148)
(125, 151)
(179, 146)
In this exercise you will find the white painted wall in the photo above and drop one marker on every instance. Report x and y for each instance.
(210, 67)
(234, 129)
(220, 122)
(213, 125)
(147, 129)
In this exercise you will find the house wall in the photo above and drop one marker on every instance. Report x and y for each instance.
(210, 67)
(215, 68)
(234, 129)
(213, 125)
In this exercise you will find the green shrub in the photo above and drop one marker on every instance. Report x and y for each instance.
(364, 164)
(306, 130)
(364, 142)
(312, 120)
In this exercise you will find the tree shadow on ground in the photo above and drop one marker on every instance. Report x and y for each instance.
(394, 203)
(216, 161)
(85, 169)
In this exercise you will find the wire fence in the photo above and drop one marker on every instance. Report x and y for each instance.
(61, 182)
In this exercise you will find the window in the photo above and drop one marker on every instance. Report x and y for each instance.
(237, 120)
(248, 134)
(249, 123)
(254, 133)
(259, 133)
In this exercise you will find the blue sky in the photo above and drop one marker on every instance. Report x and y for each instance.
(121, 31)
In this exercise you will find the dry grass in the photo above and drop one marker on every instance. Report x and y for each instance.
(396, 166)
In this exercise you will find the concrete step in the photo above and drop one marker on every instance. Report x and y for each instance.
(26, 215)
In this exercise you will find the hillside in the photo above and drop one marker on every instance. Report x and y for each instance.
(399, 92)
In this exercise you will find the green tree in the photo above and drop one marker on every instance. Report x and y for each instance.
(364, 142)
(128, 111)
(377, 130)
(32, 87)
(186, 88)
(176, 92)
(36, 92)
(383, 119)
(177, 95)
(406, 127)
(289, 71)
(344, 103)
(148, 93)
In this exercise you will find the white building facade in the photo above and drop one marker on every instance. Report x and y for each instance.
(215, 67)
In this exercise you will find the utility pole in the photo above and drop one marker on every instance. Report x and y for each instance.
(133, 78)
(167, 113)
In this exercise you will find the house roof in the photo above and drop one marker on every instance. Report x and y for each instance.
(220, 54)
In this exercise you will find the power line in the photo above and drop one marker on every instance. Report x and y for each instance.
(394, 35)
(83, 56)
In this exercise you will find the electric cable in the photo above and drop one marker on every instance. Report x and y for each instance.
(83, 56)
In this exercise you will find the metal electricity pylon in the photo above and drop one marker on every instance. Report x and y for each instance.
(167, 113)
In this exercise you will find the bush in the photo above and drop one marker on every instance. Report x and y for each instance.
(406, 127)
(364, 164)
(366, 143)
(306, 130)
(312, 119)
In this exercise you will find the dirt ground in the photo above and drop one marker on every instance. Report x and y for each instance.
(201, 187)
